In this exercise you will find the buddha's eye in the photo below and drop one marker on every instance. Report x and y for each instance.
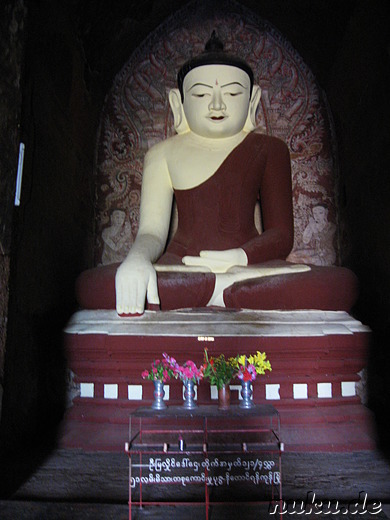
(199, 95)
(233, 94)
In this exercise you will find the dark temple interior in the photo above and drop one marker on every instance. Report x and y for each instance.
(57, 63)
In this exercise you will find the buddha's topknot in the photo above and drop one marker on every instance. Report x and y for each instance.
(213, 54)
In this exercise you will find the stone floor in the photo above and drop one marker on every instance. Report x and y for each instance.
(74, 484)
(19, 510)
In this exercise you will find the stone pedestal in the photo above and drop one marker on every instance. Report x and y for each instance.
(316, 358)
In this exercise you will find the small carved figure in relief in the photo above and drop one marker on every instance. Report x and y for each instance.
(116, 238)
(318, 237)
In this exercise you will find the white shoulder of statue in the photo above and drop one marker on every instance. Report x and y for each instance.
(156, 150)
(156, 159)
(160, 151)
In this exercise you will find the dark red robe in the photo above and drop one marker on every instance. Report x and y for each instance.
(219, 214)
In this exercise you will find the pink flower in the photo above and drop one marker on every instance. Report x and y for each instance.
(247, 373)
(252, 370)
(145, 374)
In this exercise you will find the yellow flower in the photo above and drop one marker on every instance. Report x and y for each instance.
(261, 363)
(258, 360)
(241, 360)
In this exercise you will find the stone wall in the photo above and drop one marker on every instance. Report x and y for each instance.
(52, 230)
(358, 90)
(12, 22)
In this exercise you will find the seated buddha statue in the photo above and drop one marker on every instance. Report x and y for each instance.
(217, 168)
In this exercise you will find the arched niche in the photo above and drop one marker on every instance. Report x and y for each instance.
(136, 115)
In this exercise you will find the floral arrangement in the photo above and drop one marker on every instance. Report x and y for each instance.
(186, 372)
(160, 371)
(219, 370)
(248, 367)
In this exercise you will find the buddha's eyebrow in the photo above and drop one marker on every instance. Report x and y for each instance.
(234, 83)
(199, 84)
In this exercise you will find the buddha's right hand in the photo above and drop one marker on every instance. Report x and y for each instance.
(135, 282)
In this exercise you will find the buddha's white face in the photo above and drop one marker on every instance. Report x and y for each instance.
(216, 100)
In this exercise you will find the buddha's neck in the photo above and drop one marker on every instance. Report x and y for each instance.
(198, 158)
(225, 143)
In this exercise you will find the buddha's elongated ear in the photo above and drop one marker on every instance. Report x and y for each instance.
(250, 123)
(179, 119)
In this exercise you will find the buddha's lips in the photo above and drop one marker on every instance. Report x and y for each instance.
(217, 118)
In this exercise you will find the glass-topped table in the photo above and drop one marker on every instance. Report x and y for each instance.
(204, 456)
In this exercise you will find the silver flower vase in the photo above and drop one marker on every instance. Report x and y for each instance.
(246, 394)
(159, 392)
(189, 395)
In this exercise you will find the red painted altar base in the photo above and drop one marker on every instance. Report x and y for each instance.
(314, 383)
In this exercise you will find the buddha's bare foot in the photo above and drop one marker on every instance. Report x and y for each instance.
(259, 271)
(239, 274)
(181, 268)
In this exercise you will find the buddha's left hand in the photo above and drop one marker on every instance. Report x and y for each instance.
(218, 261)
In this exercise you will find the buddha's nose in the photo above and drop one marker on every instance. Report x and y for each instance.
(216, 102)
